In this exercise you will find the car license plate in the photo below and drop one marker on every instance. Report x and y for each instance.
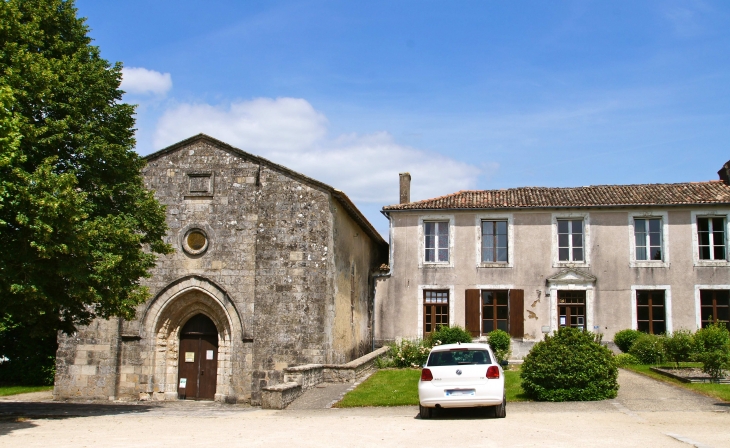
(459, 392)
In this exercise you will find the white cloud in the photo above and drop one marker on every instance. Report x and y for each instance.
(138, 80)
(291, 132)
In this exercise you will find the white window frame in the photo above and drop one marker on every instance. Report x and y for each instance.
(419, 301)
(589, 288)
(585, 216)
(695, 239)
(664, 262)
(698, 304)
(667, 304)
(422, 241)
(510, 239)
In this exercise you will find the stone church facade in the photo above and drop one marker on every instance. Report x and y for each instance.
(271, 269)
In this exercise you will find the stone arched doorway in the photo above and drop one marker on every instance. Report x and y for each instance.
(198, 360)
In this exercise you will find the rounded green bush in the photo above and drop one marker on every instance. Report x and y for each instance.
(649, 349)
(626, 359)
(624, 339)
(449, 335)
(500, 342)
(571, 365)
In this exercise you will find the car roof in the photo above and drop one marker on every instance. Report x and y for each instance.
(446, 347)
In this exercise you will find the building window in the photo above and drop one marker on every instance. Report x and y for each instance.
(494, 241)
(435, 310)
(711, 238)
(570, 240)
(437, 241)
(714, 306)
(648, 237)
(572, 309)
(651, 316)
(495, 312)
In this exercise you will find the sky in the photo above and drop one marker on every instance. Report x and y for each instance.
(461, 94)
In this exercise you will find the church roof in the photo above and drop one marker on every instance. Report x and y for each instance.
(352, 210)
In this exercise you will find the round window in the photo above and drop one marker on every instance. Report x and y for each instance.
(195, 242)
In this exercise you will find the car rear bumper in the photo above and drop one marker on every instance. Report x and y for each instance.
(460, 402)
(490, 393)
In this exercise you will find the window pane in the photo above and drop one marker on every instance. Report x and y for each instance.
(656, 253)
(501, 240)
(657, 298)
(640, 225)
(643, 326)
(430, 255)
(719, 252)
(640, 253)
(501, 312)
(443, 241)
(642, 313)
(563, 226)
(659, 327)
(430, 228)
(487, 326)
(502, 254)
(703, 224)
(642, 298)
(487, 297)
(430, 241)
(563, 240)
(487, 227)
(718, 224)
(577, 254)
(444, 254)
(705, 298)
(563, 254)
(704, 238)
(442, 228)
(723, 313)
(502, 227)
(655, 225)
(488, 312)
(488, 254)
(501, 297)
(577, 226)
(640, 239)
(654, 239)
(502, 325)
(704, 253)
(718, 237)
(577, 240)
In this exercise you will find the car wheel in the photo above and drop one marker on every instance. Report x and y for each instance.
(425, 412)
(500, 411)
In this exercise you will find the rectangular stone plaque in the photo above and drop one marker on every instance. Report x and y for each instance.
(189, 356)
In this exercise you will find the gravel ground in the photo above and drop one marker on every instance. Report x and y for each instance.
(646, 414)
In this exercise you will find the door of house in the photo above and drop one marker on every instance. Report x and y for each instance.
(572, 309)
(198, 363)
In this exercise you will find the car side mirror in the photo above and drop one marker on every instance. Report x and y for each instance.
(504, 363)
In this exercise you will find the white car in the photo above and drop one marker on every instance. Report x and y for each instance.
(459, 376)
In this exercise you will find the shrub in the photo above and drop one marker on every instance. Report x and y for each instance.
(649, 349)
(408, 353)
(711, 338)
(624, 339)
(680, 346)
(715, 362)
(570, 366)
(449, 335)
(500, 342)
(626, 359)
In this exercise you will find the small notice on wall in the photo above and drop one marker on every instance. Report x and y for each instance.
(189, 356)
(183, 383)
(562, 320)
(209, 354)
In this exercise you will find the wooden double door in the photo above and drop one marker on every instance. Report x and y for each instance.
(198, 363)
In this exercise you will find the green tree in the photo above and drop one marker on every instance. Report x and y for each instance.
(78, 230)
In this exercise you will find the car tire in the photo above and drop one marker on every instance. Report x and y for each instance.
(500, 411)
(425, 412)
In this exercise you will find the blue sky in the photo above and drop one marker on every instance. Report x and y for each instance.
(464, 95)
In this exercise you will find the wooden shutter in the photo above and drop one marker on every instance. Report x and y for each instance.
(517, 313)
(473, 314)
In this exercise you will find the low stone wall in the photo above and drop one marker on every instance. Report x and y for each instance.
(300, 378)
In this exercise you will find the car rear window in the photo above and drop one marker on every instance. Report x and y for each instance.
(459, 357)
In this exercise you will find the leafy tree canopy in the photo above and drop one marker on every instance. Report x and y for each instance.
(78, 230)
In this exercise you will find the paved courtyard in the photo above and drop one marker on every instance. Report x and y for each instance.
(646, 414)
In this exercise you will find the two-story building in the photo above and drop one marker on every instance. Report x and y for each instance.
(529, 260)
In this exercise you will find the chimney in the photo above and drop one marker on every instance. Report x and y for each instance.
(724, 175)
(405, 188)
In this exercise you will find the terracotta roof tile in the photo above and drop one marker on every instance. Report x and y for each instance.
(712, 192)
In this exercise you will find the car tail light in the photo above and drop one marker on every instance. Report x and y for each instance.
(426, 375)
(492, 372)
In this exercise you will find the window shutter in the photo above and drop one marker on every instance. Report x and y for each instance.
(517, 313)
(473, 301)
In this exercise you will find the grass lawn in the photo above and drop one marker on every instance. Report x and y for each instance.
(720, 391)
(13, 390)
(399, 387)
